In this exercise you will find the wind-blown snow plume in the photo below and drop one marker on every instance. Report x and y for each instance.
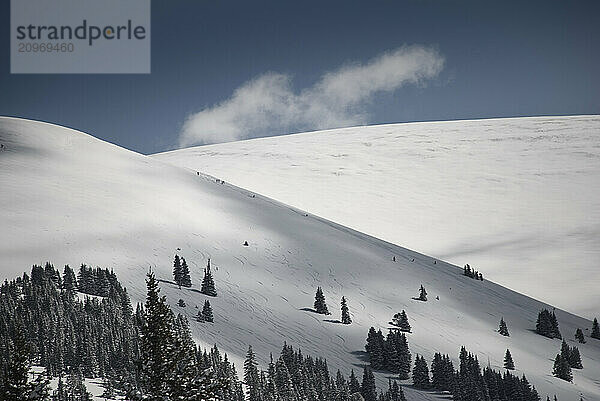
(267, 105)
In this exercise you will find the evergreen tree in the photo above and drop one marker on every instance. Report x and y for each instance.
(200, 316)
(502, 328)
(508, 361)
(157, 343)
(207, 312)
(251, 376)
(353, 384)
(208, 284)
(579, 336)
(575, 358)
(368, 389)
(422, 294)
(69, 280)
(595, 330)
(14, 385)
(186, 279)
(181, 303)
(320, 305)
(345, 313)
(420, 374)
(561, 369)
(177, 276)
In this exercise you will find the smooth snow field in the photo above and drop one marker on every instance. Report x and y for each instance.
(67, 197)
(517, 198)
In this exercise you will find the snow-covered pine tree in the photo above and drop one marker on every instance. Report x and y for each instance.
(422, 294)
(368, 389)
(547, 324)
(404, 356)
(442, 372)
(14, 385)
(177, 270)
(345, 313)
(251, 376)
(157, 343)
(575, 358)
(595, 330)
(420, 374)
(186, 279)
(508, 361)
(208, 283)
(561, 369)
(502, 328)
(207, 312)
(579, 336)
(353, 384)
(320, 305)
(69, 280)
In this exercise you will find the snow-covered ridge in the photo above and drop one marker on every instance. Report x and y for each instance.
(69, 198)
(517, 198)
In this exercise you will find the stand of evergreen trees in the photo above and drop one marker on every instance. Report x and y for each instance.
(390, 353)
(471, 384)
(146, 354)
(472, 273)
(401, 321)
(294, 376)
(547, 324)
(320, 304)
(181, 272)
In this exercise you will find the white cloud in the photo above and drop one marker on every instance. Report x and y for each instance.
(267, 105)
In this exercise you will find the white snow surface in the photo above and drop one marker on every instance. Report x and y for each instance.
(517, 198)
(67, 197)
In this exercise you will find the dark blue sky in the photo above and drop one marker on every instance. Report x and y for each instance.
(501, 59)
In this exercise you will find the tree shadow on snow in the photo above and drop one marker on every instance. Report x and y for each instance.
(333, 321)
(362, 355)
(312, 310)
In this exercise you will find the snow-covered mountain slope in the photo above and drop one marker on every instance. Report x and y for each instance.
(70, 198)
(517, 198)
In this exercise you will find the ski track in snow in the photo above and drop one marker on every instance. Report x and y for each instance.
(125, 211)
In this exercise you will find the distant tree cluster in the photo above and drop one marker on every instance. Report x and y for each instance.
(470, 384)
(92, 281)
(320, 305)
(181, 272)
(389, 353)
(569, 358)
(547, 324)
(94, 335)
(401, 321)
(472, 273)
(294, 376)
(206, 313)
